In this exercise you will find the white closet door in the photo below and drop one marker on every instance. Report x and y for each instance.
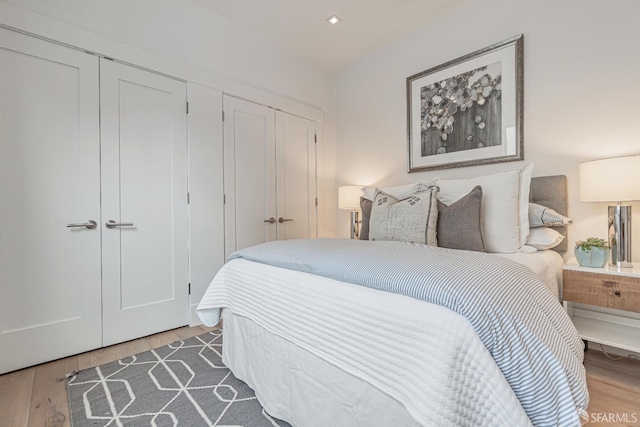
(249, 174)
(296, 177)
(144, 188)
(49, 178)
(206, 207)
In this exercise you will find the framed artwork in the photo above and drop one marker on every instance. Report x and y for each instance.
(468, 111)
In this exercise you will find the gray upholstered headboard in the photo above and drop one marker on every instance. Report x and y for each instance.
(551, 191)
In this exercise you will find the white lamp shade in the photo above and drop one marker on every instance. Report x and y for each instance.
(610, 180)
(349, 197)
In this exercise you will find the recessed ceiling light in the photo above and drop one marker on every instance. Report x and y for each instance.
(333, 19)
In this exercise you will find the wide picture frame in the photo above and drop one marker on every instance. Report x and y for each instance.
(468, 111)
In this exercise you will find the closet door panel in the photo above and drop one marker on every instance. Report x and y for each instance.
(144, 174)
(296, 177)
(249, 160)
(206, 206)
(49, 178)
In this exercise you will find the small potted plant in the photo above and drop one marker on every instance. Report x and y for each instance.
(592, 252)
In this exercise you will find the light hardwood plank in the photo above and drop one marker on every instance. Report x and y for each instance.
(15, 397)
(162, 339)
(625, 371)
(188, 332)
(614, 390)
(129, 348)
(612, 400)
(95, 358)
(49, 401)
(112, 353)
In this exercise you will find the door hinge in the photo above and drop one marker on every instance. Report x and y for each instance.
(188, 198)
(316, 201)
(189, 288)
(315, 138)
(224, 199)
(187, 108)
(223, 115)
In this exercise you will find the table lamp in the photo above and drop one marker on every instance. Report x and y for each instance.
(614, 180)
(349, 200)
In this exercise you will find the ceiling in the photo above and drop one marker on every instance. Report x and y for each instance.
(300, 25)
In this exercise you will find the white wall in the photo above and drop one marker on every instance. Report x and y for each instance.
(582, 94)
(190, 34)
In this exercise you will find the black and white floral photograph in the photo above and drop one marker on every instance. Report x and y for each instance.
(462, 114)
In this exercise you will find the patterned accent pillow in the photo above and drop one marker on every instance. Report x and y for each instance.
(414, 219)
(542, 216)
(399, 192)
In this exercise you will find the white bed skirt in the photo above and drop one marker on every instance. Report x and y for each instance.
(327, 397)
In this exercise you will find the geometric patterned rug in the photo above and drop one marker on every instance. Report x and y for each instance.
(182, 384)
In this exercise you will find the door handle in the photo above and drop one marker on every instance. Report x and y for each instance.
(112, 224)
(270, 220)
(91, 224)
(281, 220)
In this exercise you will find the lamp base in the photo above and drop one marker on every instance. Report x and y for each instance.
(355, 228)
(620, 236)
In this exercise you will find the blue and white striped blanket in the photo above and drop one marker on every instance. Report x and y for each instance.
(521, 324)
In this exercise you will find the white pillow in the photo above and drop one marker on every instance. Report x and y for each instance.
(400, 192)
(543, 238)
(505, 205)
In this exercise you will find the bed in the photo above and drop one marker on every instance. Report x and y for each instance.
(322, 347)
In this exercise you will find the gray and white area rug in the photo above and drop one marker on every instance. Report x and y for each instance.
(182, 384)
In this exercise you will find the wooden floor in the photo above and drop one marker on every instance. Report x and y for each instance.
(37, 396)
(614, 389)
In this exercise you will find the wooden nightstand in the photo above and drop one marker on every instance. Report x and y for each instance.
(609, 288)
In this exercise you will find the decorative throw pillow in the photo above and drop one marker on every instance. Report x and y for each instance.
(410, 220)
(365, 207)
(459, 225)
(543, 238)
(400, 192)
(505, 205)
(542, 216)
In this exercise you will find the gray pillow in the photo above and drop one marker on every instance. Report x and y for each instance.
(459, 225)
(413, 219)
(365, 207)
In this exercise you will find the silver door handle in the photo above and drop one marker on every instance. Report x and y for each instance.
(112, 224)
(281, 220)
(89, 224)
(270, 220)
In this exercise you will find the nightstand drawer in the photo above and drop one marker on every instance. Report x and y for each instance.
(603, 290)
(628, 295)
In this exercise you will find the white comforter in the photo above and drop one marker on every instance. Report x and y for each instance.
(425, 356)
